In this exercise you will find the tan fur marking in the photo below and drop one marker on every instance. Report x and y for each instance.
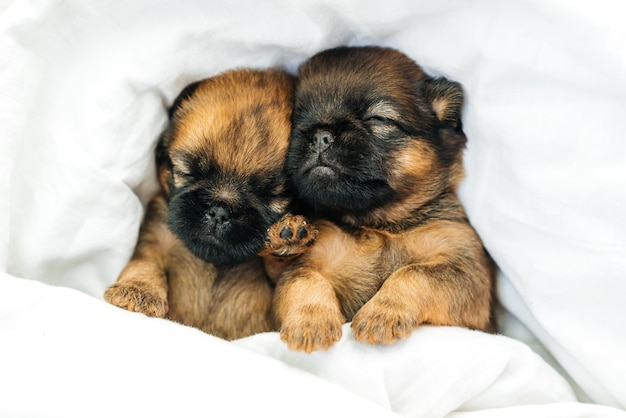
(413, 163)
(384, 110)
(279, 205)
(440, 106)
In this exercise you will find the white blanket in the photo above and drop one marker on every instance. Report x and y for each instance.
(83, 90)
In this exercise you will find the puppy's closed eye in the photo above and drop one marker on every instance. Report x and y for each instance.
(183, 175)
(382, 119)
(382, 112)
(377, 119)
(181, 169)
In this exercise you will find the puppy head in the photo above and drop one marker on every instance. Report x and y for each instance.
(373, 136)
(221, 162)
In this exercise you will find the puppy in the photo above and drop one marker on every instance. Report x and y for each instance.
(223, 198)
(376, 150)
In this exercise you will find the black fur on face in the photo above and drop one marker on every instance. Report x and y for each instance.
(223, 217)
(356, 111)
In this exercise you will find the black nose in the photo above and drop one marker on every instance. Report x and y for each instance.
(322, 140)
(217, 215)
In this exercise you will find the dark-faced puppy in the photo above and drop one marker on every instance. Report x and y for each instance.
(220, 167)
(376, 150)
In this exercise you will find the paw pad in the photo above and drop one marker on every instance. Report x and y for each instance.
(290, 236)
(286, 233)
(302, 232)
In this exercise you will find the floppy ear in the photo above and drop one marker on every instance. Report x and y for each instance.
(446, 99)
(163, 160)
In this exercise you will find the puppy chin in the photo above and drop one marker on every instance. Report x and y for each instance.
(222, 252)
(329, 190)
(233, 242)
(216, 247)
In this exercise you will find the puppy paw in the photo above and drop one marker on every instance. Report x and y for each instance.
(383, 322)
(289, 237)
(138, 297)
(311, 330)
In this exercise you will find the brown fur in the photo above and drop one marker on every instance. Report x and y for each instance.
(410, 259)
(227, 135)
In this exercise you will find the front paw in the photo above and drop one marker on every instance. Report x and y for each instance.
(312, 329)
(138, 297)
(289, 236)
(383, 322)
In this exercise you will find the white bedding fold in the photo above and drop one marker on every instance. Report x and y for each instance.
(90, 359)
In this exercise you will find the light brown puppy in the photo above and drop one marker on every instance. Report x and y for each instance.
(376, 150)
(223, 193)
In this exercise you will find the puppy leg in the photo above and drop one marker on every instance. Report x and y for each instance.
(286, 239)
(438, 293)
(142, 285)
(308, 312)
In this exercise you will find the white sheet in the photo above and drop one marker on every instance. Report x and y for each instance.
(83, 90)
(67, 354)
